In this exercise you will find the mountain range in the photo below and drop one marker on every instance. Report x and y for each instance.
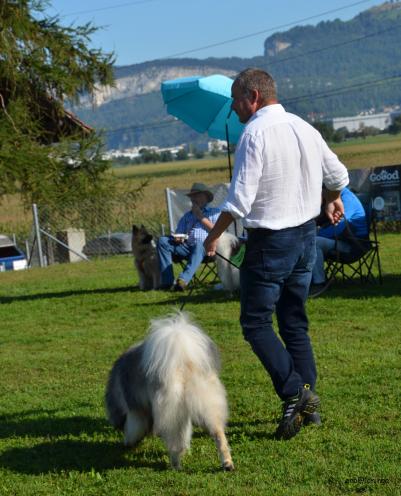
(333, 69)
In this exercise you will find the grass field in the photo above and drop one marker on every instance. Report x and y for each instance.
(151, 210)
(62, 327)
(356, 154)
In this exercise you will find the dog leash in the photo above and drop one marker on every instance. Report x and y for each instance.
(187, 296)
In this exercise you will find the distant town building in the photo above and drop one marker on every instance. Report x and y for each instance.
(355, 123)
(217, 145)
(134, 152)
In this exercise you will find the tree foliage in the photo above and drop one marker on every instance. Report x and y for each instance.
(395, 127)
(45, 154)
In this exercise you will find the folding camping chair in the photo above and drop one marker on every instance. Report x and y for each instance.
(177, 204)
(360, 263)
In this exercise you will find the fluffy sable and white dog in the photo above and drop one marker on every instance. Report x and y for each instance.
(165, 384)
(145, 258)
(228, 244)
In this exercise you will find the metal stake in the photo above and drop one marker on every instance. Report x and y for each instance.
(37, 232)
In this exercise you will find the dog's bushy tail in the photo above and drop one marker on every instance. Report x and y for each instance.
(175, 343)
(179, 358)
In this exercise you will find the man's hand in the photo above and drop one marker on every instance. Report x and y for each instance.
(210, 246)
(335, 210)
(210, 243)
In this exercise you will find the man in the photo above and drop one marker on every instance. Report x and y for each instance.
(280, 164)
(340, 238)
(187, 242)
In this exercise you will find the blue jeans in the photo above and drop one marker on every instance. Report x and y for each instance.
(275, 275)
(323, 246)
(166, 248)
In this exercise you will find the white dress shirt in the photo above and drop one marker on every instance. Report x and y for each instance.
(280, 164)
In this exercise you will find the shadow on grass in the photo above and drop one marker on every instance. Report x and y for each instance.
(63, 455)
(50, 425)
(391, 287)
(66, 455)
(355, 289)
(198, 296)
(249, 430)
(67, 294)
(256, 429)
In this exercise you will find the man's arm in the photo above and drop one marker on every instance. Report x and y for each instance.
(335, 178)
(206, 223)
(221, 225)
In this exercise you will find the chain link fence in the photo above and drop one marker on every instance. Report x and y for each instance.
(70, 234)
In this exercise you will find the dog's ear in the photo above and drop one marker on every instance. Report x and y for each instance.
(134, 229)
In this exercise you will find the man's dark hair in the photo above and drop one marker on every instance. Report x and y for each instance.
(256, 79)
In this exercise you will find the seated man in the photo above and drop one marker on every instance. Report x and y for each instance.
(330, 237)
(195, 224)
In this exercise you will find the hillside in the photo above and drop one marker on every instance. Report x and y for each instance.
(308, 62)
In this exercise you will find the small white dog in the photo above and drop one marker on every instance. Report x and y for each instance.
(228, 274)
(167, 383)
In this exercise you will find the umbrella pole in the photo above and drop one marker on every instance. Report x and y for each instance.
(228, 153)
(229, 167)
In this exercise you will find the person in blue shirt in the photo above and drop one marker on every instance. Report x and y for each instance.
(330, 237)
(187, 242)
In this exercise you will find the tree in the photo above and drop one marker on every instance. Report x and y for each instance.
(325, 129)
(182, 154)
(197, 153)
(340, 134)
(149, 156)
(166, 156)
(395, 127)
(46, 154)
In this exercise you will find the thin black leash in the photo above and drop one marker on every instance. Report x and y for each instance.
(187, 296)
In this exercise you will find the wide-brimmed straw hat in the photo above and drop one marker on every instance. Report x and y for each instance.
(201, 188)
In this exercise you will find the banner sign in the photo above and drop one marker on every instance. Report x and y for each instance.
(383, 186)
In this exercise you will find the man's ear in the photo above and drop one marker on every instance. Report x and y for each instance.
(254, 96)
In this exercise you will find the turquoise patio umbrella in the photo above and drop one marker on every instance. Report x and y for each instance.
(204, 103)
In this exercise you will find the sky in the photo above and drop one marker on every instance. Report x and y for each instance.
(143, 30)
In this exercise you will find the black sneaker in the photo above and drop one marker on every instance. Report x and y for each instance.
(294, 411)
(312, 419)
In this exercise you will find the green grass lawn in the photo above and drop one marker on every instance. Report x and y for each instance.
(63, 326)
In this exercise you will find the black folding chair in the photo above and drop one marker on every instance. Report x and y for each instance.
(206, 272)
(361, 262)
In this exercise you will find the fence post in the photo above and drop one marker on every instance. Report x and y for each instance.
(27, 250)
(37, 233)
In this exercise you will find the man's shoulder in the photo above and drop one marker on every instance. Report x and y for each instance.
(267, 121)
(186, 215)
(212, 210)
